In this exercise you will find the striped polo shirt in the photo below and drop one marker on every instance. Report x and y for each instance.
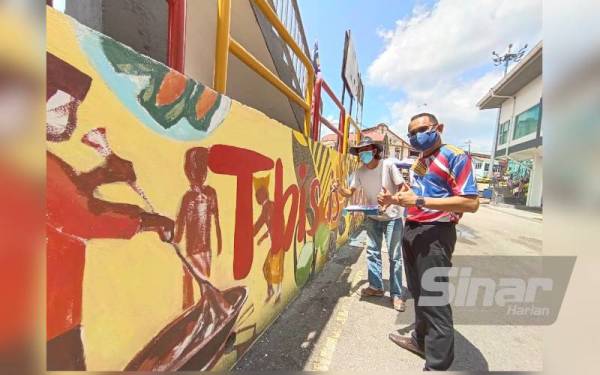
(445, 173)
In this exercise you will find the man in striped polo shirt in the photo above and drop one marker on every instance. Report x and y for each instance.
(442, 187)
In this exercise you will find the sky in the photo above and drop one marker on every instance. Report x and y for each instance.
(59, 4)
(423, 55)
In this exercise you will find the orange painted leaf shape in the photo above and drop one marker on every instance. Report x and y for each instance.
(171, 88)
(205, 103)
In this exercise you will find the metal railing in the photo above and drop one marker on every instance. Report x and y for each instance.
(357, 134)
(226, 43)
(289, 14)
(318, 119)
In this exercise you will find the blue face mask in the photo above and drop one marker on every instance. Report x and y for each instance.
(424, 141)
(366, 157)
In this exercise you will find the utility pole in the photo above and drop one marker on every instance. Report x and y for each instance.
(468, 143)
(505, 60)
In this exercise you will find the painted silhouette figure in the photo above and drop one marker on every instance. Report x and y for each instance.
(199, 207)
(273, 266)
(75, 215)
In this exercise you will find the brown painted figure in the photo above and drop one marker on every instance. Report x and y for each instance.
(273, 266)
(199, 207)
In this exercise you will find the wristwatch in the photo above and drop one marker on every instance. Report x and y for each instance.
(420, 203)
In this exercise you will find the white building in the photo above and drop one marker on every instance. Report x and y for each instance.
(518, 95)
(481, 165)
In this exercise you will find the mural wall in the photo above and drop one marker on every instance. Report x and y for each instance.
(179, 222)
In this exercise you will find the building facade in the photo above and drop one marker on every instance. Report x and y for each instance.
(519, 135)
(481, 165)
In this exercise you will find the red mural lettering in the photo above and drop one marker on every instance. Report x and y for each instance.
(242, 163)
(284, 232)
(302, 207)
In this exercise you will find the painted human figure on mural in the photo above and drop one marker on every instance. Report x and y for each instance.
(199, 207)
(273, 266)
(75, 215)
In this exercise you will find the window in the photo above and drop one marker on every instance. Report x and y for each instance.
(478, 165)
(486, 167)
(527, 122)
(503, 133)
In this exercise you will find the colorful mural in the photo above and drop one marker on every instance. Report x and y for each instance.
(179, 222)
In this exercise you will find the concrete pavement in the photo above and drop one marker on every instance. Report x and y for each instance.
(330, 327)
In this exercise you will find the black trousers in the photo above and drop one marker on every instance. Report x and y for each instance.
(427, 245)
(65, 352)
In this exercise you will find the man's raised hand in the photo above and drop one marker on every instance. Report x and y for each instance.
(384, 198)
(406, 197)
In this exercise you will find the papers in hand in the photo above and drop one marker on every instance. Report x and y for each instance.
(366, 209)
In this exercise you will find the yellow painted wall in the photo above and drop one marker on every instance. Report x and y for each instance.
(133, 288)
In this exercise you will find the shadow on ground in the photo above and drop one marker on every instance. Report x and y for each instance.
(466, 355)
(289, 342)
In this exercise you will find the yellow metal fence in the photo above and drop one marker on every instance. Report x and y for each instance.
(226, 44)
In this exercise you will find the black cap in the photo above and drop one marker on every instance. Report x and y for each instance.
(364, 142)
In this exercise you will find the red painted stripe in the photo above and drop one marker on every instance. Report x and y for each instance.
(176, 36)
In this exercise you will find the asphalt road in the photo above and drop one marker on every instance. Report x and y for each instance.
(330, 327)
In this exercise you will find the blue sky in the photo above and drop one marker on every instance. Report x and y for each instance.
(422, 55)
(327, 21)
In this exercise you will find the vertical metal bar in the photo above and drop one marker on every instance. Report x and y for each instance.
(342, 129)
(176, 34)
(284, 13)
(300, 27)
(291, 18)
(222, 47)
(308, 95)
(347, 131)
(350, 110)
(316, 110)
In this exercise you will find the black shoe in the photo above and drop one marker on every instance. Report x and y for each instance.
(407, 343)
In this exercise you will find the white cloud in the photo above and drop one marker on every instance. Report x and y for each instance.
(436, 57)
(454, 104)
(450, 38)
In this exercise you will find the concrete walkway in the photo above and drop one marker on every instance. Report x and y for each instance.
(330, 327)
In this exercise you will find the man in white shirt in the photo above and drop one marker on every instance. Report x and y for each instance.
(374, 176)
